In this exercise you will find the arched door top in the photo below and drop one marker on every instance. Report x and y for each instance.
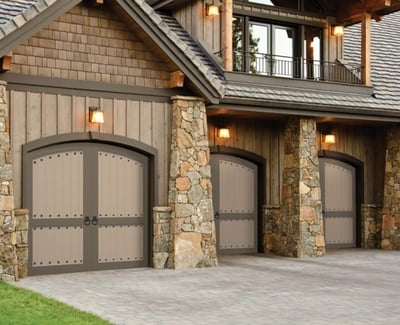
(91, 137)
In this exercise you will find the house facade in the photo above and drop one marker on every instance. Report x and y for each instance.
(158, 183)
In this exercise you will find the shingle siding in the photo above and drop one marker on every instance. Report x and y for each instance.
(90, 44)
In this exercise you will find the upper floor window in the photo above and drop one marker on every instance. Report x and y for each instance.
(275, 49)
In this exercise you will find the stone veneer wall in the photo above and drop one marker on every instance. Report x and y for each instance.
(370, 226)
(8, 238)
(272, 216)
(190, 192)
(390, 214)
(300, 225)
(163, 246)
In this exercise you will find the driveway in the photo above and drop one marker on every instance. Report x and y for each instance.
(345, 287)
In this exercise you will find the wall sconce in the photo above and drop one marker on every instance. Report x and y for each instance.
(338, 30)
(223, 133)
(96, 115)
(329, 138)
(212, 10)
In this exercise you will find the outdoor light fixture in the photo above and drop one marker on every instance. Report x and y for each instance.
(338, 30)
(329, 138)
(223, 133)
(95, 115)
(212, 10)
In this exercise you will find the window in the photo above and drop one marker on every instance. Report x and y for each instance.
(277, 49)
(263, 48)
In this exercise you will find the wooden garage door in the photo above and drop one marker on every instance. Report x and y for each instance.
(235, 204)
(88, 207)
(338, 185)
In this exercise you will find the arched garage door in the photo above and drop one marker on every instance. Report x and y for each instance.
(338, 186)
(235, 203)
(88, 207)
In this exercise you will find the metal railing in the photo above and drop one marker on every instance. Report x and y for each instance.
(295, 67)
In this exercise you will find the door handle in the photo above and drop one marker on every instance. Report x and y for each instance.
(95, 221)
(86, 221)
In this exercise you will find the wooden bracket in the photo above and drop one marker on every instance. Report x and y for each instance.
(5, 62)
(176, 79)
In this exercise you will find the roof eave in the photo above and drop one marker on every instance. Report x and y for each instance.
(30, 27)
(169, 48)
(305, 109)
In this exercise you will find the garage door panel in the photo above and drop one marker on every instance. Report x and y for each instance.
(120, 186)
(57, 185)
(57, 246)
(235, 203)
(338, 180)
(121, 243)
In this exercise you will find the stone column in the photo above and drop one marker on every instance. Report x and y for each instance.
(391, 200)
(162, 238)
(8, 240)
(301, 226)
(190, 195)
(370, 226)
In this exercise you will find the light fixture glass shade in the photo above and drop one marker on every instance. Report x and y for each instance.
(223, 133)
(95, 115)
(329, 139)
(338, 30)
(212, 10)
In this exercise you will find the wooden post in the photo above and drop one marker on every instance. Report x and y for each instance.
(366, 48)
(226, 44)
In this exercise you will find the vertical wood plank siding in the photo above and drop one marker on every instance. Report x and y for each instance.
(366, 144)
(265, 138)
(262, 137)
(206, 29)
(38, 115)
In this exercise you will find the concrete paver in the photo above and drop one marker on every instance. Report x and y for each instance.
(345, 287)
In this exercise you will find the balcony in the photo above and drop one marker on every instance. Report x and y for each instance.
(296, 67)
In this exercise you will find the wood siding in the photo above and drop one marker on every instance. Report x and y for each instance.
(266, 139)
(93, 44)
(365, 143)
(207, 30)
(262, 137)
(38, 115)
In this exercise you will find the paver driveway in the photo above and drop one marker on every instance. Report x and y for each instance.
(345, 287)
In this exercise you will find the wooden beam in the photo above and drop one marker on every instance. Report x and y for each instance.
(176, 79)
(226, 42)
(5, 62)
(350, 11)
(366, 49)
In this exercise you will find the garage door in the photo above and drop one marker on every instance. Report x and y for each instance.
(88, 207)
(235, 203)
(338, 185)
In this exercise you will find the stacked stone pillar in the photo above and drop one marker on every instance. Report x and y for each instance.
(8, 236)
(300, 231)
(390, 227)
(190, 195)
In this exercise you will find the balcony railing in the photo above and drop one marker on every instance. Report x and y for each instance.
(296, 67)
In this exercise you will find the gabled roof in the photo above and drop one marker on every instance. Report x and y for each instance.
(204, 73)
(385, 59)
(20, 19)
